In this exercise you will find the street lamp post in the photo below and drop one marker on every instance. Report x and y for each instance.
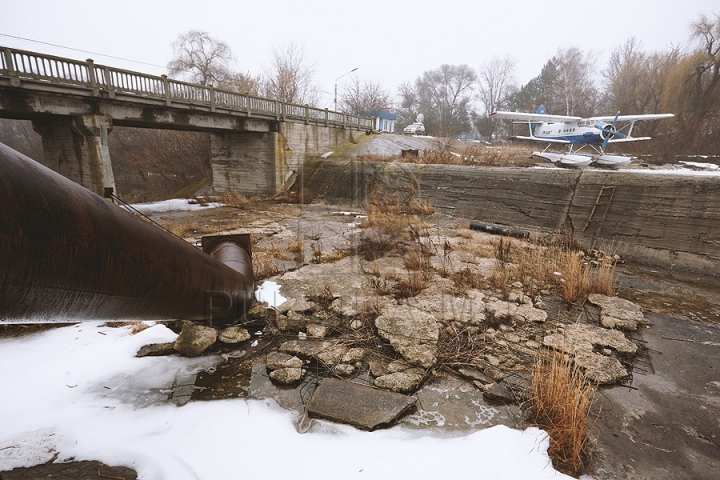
(336, 82)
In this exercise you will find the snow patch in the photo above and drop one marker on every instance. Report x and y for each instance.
(174, 205)
(269, 292)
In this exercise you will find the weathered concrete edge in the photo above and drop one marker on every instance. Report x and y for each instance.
(672, 221)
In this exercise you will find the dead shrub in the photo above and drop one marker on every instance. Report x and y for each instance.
(316, 248)
(411, 287)
(465, 279)
(560, 399)
(373, 244)
(296, 246)
(324, 298)
(233, 199)
(419, 207)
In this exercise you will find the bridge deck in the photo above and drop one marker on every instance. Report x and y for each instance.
(31, 71)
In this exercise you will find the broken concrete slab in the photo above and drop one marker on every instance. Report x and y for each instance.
(580, 340)
(278, 360)
(412, 333)
(405, 381)
(364, 407)
(305, 348)
(497, 393)
(617, 312)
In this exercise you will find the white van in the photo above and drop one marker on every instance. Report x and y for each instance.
(415, 129)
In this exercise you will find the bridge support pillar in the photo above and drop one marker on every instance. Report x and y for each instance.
(77, 148)
(244, 162)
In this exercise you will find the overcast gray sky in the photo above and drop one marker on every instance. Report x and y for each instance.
(388, 41)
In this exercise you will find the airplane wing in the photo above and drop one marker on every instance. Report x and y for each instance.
(536, 139)
(535, 117)
(632, 118)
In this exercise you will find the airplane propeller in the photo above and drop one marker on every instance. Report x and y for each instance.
(609, 131)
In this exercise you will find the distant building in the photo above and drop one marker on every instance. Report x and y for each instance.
(383, 121)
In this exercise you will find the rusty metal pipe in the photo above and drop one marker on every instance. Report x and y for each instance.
(68, 254)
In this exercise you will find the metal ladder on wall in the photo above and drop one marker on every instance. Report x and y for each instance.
(604, 198)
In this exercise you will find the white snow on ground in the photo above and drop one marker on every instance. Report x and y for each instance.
(269, 292)
(79, 391)
(709, 166)
(174, 205)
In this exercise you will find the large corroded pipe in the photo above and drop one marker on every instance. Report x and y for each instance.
(67, 253)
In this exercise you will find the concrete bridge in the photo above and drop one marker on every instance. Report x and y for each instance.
(257, 144)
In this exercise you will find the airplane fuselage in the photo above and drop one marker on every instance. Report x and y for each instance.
(570, 132)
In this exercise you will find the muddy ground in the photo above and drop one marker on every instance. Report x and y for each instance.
(661, 422)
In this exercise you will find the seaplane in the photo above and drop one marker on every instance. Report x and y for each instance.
(577, 133)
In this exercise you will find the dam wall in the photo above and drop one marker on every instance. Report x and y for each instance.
(669, 220)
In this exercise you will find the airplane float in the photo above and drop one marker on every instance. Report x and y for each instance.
(595, 132)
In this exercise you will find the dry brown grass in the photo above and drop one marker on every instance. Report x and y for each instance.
(276, 251)
(135, 327)
(465, 279)
(233, 199)
(575, 279)
(486, 155)
(296, 246)
(264, 265)
(603, 279)
(302, 197)
(186, 229)
(559, 402)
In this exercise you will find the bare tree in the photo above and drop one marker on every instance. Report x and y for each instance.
(244, 83)
(364, 96)
(575, 83)
(290, 78)
(496, 83)
(201, 58)
(706, 32)
(626, 78)
(443, 95)
(408, 104)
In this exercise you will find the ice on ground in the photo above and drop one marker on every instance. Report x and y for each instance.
(269, 292)
(67, 393)
(709, 166)
(174, 205)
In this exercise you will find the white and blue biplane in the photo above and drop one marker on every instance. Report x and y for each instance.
(596, 132)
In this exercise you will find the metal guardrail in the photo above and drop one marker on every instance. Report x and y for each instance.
(22, 66)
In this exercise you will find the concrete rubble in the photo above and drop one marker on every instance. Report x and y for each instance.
(364, 407)
(194, 339)
(580, 341)
(617, 312)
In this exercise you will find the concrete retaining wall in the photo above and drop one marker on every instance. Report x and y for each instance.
(668, 220)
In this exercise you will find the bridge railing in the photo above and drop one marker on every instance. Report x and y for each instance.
(24, 66)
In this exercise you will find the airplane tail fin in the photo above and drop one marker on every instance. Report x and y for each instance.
(541, 111)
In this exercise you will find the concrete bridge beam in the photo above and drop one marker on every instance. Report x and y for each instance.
(77, 148)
